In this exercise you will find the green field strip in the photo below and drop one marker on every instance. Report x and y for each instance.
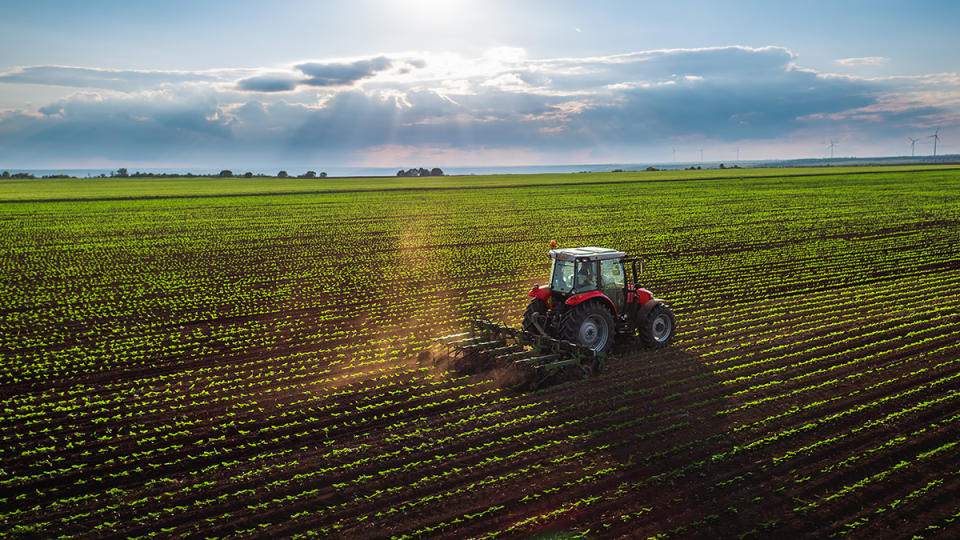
(119, 189)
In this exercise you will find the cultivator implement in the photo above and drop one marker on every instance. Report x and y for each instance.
(528, 359)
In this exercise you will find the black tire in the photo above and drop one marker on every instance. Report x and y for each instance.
(657, 329)
(537, 307)
(590, 324)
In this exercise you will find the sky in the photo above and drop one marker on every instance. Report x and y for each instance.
(373, 83)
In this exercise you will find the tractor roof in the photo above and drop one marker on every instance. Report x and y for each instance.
(586, 254)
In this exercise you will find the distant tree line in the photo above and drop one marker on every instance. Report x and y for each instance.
(226, 173)
(122, 172)
(22, 175)
(6, 175)
(436, 171)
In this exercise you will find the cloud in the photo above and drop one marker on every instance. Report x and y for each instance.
(862, 61)
(496, 107)
(328, 74)
(268, 83)
(162, 125)
(111, 79)
(316, 74)
(342, 74)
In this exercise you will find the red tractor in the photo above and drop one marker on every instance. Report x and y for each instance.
(571, 323)
(589, 301)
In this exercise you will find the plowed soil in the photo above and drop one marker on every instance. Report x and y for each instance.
(264, 366)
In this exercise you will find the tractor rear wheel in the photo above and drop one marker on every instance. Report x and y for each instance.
(658, 327)
(535, 312)
(590, 324)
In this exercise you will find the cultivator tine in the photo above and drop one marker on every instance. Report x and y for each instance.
(506, 349)
(538, 360)
(453, 336)
(515, 357)
(464, 343)
(484, 345)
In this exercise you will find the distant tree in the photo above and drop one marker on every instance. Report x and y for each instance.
(420, 171)
(651, 169)
(248, 174)
(282, 174)
(323, 175)
(309, 174)
(120, 173)
(6, 174)
(722, 166)
(226, 173)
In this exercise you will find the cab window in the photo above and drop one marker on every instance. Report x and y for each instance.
(586, 276)
(562, 276)
(613, 281)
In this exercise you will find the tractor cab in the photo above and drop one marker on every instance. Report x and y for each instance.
(581, 270)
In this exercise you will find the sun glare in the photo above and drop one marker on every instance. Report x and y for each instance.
(430, 11)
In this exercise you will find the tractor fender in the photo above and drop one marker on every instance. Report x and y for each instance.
(649, 305)
(638, 295)
(583, 297)
(541, 292)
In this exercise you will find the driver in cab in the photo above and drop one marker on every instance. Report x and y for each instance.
(586, 279)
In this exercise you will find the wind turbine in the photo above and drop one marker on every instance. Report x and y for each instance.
(935, 137)
(913, 144)
(832, 144)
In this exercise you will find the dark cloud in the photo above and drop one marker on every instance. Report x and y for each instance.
(155, 127)
(342, 74)
(268, 83)
(327, 74)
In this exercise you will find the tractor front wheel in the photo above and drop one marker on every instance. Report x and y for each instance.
(658, 327)
(590, 324)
